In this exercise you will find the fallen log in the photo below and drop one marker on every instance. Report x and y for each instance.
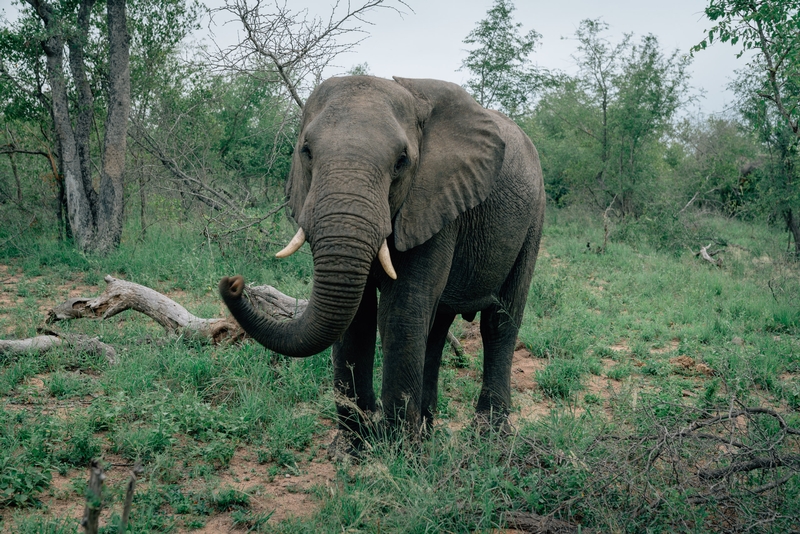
(121, 295)
(50, 340)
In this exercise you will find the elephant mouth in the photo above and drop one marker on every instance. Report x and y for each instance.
(299, 238)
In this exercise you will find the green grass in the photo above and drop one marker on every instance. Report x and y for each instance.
(216, 426)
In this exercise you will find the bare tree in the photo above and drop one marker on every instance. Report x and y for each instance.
(292, 47)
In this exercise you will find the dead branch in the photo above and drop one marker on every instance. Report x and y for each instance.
(94, 504)
(456, 344)
(752, 465)
(706, 255)
(121, 295)
(296, 47)
(540, 524)
(193, 185)
(50, 340)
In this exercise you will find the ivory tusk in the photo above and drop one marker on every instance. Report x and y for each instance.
(294, 245)
(386, 261)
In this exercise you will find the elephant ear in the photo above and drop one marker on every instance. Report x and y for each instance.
(461, 154)
(297, 185)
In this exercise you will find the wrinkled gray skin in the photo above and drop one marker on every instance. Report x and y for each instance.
(457, 191)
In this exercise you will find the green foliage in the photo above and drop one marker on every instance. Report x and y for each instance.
(769, 92)
(601, 133)
(20, 483)
(501, 72)
(561, 378)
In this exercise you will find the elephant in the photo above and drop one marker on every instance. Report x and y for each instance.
(410, 189)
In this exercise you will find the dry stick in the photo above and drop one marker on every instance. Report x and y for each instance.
(94, 504)
(531, 522)
(456, 344)
(743, 467)
(126, 510)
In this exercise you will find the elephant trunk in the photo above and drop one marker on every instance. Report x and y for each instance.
(344, 244)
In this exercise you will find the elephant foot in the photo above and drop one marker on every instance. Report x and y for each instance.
(493, 423)
(346, 446)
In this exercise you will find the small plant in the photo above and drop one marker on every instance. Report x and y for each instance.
(228, 499)
(604, 352)
(20, 484)
(656, 368)
(81, 448)
(252, 521)
(561, 379)
(620, 371)
(592, 399)
(62, 385)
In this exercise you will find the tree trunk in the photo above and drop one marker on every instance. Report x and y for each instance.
(95, 219)
(142, 206)
(793, 225)
(110, 208)
(85, 102)
(12, 144)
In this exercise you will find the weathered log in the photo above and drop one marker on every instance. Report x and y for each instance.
(121, 295)
(50, 340)
(274, 303)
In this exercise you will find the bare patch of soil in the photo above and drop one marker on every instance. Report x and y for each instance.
(672, 346)
(531, 408)
(523, 370)
(285, 495)
(620, 346)
(687, 363)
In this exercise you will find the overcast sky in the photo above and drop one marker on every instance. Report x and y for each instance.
(427, 43)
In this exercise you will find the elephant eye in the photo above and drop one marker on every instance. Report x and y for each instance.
(401, 162)
(306, 150)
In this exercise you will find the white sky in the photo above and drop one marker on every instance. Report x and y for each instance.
(427, 43)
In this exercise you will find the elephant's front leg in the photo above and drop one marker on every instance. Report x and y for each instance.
(403, 339)
(406, 316)
(353, 359)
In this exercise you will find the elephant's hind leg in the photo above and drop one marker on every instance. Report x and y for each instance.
(499, 328)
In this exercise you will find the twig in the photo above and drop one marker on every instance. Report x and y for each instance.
(126, 510)
(743, 467)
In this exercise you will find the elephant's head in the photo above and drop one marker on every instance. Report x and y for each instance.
(375, 159)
